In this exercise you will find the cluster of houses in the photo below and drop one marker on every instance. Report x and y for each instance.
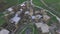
(26, 11)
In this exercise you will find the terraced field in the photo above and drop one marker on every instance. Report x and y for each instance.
(55, 4)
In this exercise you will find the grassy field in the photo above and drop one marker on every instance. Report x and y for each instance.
(38, 3)
(52, 19)
(2, 21)
(20, 1)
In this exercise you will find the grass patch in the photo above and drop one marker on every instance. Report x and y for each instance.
(38, 3)
(52, 19)
(20, 1)
(2, 21)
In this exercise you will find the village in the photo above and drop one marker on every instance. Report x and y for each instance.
(22, 15)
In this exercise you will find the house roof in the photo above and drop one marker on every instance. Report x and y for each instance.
(27, 12)
(58, 31)
(44, 27)
(23, 4)
(15, 19)
(21, 9)
(33, 17)
(4, 31)
(10, 9)
(46, 16)
(38, 16)
(18, 12)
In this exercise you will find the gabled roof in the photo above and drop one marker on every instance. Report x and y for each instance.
(33, 17)
(39, 16)
(44, 27)
(21, 9)
(23, 4)
(15, 19)
(4, 31)
(58, 31)
(10, 9)
(27, 12)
